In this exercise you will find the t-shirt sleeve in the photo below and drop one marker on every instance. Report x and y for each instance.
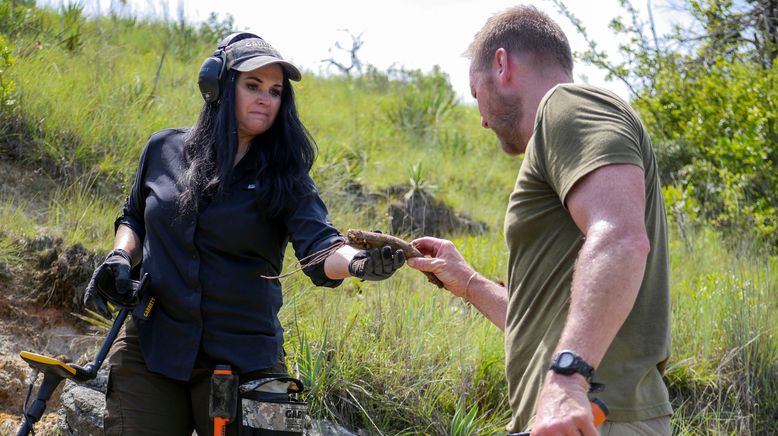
(311, 231)
(580, 131)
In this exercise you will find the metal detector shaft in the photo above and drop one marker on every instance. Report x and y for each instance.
(94, 366)
(54, 371)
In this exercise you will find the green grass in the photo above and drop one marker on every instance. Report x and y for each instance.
(396, 357)
(399, 356)
(80, 216)
(15, 226)
(724, 371)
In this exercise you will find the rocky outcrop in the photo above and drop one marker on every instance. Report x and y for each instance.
(421, 214)
(62, 273)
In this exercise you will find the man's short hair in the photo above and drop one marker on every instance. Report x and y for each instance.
(521, 29)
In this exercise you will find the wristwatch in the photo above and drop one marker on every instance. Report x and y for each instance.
(566, 362)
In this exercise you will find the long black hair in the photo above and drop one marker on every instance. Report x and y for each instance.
(286, 152)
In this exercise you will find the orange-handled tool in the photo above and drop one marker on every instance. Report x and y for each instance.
(224, 398)
(599, 412)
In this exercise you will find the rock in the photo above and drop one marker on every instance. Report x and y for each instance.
(81, 410)
(82, 405)
(421, 214)
(13, 378)
(5, 271)
(320, 427)
(40, 243)
(64, 276)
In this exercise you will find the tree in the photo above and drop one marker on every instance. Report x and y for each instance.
(355, 63)
(709, 99)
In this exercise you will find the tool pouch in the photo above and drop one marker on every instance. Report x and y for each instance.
(270, 406)
(223, 400)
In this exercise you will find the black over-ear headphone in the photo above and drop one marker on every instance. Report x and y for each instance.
(213, 69)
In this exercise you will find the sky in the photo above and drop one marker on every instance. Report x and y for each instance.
(414, 34)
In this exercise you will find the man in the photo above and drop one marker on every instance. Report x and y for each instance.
(588, 285)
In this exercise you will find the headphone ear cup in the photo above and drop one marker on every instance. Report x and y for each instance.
(212, 70)
(209, 78)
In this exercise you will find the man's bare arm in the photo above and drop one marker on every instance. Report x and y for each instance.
(608, 205)
(461, 279)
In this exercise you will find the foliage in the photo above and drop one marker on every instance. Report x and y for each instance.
(15, 225)
(419, 184)
(214, 30)
(724, 367)
(741, 31)
(463, 423)
(72, 23)
(80, 213)
(7, 86)
(19, 16)
(709, 99)
(368, 366)
(426, 100)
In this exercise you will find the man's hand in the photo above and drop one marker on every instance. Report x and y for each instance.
(111, 282)
(446, 262)
(376, 264)
(563, 407)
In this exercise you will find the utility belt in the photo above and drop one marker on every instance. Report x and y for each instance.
(267, 406)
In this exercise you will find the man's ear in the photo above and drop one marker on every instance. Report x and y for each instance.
(502, 65)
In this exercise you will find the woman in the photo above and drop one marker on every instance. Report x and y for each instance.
(210, 212)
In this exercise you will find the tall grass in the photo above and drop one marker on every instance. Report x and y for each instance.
(724, 372)
(395, 357)
(94, 105)
(15, 225)
(79, 215)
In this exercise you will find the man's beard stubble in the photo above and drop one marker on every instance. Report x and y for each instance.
(505, 122)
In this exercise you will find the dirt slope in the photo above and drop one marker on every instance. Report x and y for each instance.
(39, 293)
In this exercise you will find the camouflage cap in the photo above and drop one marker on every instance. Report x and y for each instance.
(252, 53)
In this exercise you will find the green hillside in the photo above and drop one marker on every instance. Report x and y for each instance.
(79, 97)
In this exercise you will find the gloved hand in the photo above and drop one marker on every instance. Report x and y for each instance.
(111, 282)
(376, 264)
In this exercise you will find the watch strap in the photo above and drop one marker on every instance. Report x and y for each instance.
(577, 366)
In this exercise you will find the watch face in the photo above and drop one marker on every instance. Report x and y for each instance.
(565, 360)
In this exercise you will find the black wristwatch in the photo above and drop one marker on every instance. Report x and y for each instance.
(567, 362)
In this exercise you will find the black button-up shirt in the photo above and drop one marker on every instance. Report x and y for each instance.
(205, 268)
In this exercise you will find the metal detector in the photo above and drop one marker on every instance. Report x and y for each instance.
(54, 371)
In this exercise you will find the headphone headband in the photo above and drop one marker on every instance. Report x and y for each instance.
(233, 38)
(212, 71)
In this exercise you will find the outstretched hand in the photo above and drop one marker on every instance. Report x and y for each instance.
(376, 264)
(445, 261)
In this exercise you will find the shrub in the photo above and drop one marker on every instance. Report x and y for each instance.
(7, 86)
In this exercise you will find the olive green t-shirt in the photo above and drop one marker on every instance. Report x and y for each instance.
(578, 129)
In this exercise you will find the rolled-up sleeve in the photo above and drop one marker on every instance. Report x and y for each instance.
(311, 231)
(132, 212)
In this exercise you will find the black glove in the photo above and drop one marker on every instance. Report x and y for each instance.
(111, 282)
(376, 264)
